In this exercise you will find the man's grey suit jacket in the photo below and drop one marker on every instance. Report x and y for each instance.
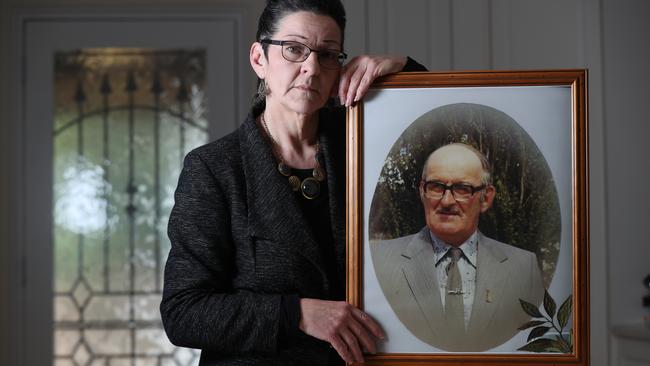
(504, 274)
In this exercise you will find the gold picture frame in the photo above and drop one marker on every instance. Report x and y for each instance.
(550, 107)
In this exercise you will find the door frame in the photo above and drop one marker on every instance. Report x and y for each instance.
(26, 317)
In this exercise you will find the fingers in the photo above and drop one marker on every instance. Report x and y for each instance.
(353, 80)
(356, 76)
(358, 331)
(352, 345)
(370, 324)
(363, 336)
(349, 330)
(346, 344)
(361, 71)
(344, 83)
(342, 349)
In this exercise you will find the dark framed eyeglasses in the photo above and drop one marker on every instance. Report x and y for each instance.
(298, 52)
(462, 192)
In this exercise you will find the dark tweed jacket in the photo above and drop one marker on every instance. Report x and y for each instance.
(240, 243)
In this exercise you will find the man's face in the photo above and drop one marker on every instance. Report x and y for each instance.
(449, 219)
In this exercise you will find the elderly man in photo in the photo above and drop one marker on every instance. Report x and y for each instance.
(450, 285)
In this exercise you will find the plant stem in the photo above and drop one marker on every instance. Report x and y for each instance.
(564, 342)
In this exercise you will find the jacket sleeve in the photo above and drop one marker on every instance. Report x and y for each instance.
(200, 308)
(412, 65)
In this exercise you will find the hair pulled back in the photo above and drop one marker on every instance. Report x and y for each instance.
(275, 11)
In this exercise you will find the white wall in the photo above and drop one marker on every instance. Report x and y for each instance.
(626, 38)
(609, 37)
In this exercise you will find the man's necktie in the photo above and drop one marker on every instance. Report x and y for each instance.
(454, 314)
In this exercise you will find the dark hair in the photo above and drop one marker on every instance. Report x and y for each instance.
(276, 10)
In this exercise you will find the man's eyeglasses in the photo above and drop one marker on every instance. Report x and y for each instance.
(461, 192)
(297, 52)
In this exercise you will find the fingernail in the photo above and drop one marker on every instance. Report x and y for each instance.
(356, 98)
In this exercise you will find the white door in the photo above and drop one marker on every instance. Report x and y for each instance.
(101, 233)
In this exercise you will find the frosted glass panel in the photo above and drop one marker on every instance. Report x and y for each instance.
(124, 119)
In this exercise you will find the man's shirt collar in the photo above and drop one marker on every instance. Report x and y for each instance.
(469, 248)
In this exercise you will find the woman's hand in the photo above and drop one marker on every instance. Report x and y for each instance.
(361, 71)
(348, 329)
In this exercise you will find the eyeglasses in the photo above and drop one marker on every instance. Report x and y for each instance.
(461, 192)
(298, 52)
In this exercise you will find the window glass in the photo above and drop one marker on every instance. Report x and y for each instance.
(124, 119)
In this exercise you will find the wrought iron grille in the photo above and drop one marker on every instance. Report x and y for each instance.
(124, 120)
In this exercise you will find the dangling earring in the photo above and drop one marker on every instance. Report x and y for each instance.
(262, 88)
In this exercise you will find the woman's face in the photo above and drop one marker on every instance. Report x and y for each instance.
(300, 87)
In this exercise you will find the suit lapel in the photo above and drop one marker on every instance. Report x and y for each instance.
(273, 212)
(419, 270)
(492, 273)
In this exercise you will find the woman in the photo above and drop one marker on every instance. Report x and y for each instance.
(256, 270)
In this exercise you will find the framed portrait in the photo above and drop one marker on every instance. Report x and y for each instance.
(467, 217)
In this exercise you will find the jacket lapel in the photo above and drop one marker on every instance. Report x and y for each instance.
(492, 273)
(273, 212)
(420, 273)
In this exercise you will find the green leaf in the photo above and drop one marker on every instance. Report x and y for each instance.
(549, 304)
(566, 347)
(565, 312)
(530, 309)
(542, 345)
(532, 323)
(537, 332)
